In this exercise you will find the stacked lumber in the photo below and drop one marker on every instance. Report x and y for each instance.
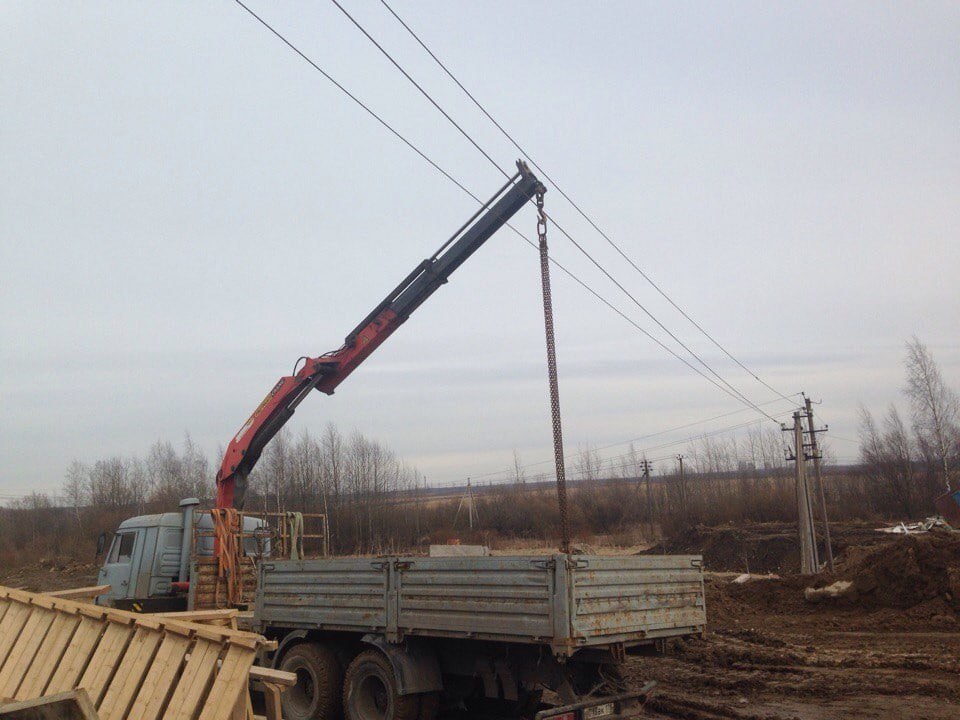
(208, 586)
(140, 667)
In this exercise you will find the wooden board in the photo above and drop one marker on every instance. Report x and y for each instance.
(82, 593)
(141, 667)
(71, 705)
(208, 591)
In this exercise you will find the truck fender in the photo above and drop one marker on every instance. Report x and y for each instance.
(415, 666)
(290, 639)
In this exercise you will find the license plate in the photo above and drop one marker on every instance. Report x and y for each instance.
(598, 711)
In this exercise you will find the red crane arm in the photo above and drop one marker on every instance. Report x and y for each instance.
(326, 372)
(322, 373)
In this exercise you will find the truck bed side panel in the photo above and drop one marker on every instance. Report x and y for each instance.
(348, 593)
(623, 598)
(505, 597)
(565, 602)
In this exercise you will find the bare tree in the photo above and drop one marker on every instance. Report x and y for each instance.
(934, 407)
(75, 487)
(886, 457)
(519, 474)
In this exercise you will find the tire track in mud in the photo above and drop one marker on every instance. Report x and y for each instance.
(731, 671)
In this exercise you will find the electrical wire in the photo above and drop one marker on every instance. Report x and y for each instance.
(692, 438)
(579, 247)
(663, 327)
(462, 187)
(642, 451)
(420, 88)
(576, 207)
(572, 455)
(357, 100)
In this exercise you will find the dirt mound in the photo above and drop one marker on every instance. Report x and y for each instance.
(911, 583)
(764, 547)
(752, 548)
(914, 570)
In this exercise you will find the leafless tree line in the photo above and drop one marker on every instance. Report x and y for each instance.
(359, 484)
(376, 503)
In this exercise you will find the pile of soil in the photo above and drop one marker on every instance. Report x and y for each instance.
(914, 570)
(755, 548)
(764, 548)
(910, 583)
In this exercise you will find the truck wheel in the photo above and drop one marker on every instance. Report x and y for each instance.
(370, 691)
(316, 696)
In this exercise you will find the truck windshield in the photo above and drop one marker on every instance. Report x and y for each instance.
(122, 548)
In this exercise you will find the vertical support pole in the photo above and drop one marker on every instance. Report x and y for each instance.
(815, 448)
(683, 488)
(552, 376)
(646, 478)
(469, 504)
(808, 546)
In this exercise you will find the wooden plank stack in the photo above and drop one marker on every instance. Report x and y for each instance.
(208, 589)
(139, 667)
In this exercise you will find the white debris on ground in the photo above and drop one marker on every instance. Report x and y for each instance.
(841, 588)
(918, 527)
(748, 577)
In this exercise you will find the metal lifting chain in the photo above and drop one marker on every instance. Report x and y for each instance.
(552, 376)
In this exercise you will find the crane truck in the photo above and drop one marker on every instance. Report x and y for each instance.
(398, 637)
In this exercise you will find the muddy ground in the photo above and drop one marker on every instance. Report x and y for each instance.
(889, 647)
(50, 574)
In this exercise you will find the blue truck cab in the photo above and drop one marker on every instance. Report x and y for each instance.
(150, 557)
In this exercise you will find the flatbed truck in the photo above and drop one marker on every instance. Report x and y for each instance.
(394, 638)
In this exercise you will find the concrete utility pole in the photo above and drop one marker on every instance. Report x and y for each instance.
(683, 487)
(809, 562)
(467, 499)
(817, 455)
(645, 465)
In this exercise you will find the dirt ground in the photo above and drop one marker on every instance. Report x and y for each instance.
(888, 647)
(51, 574)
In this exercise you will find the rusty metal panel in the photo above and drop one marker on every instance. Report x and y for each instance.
(616, 599)
(563, 601)
(501, 597)
(347, 593)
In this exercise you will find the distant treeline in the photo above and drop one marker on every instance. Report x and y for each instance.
(375, 503)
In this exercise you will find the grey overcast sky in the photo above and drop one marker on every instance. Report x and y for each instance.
(186, 207)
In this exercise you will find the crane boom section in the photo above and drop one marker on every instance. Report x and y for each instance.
(326, 372)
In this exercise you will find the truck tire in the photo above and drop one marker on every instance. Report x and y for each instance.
(316, 696)
(370, 691)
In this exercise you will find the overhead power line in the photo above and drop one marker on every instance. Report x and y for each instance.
(462, 187)
(572, 455)
(579, 247)
(357, 100)
(692, 438)
(576, 207)
(420, 88)
(663, 327)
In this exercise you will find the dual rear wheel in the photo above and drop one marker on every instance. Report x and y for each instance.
(316, 696)
(367, 691)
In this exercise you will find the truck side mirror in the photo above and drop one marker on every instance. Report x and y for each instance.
(101, 543)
